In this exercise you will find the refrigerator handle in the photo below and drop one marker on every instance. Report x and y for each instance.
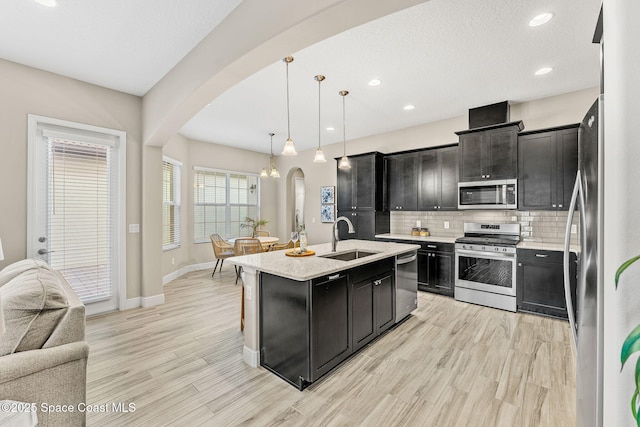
(577, 190)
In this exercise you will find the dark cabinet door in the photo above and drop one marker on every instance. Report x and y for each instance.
(436, 269)
(429, 172)
(443, 272)
(329, 324)
(364, 183)
(448, 162)
(423, 269)
(501, 154)
(384, 303)
(567, 152)
(364, 329)
(471, 156)
(345, 196)
(402, 182)
(537, 168)
(343, 228)
(365, 225)
(547, 163)
(540, 282)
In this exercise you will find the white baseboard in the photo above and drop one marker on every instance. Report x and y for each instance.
(131, 303)
(187, 269)
(250, 357)
(151, 301)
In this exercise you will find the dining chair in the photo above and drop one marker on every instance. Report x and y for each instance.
(221, 250)
(262, 233)
(245, 246)
(281, 246)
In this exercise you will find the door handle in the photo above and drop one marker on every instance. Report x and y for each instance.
(44, 251)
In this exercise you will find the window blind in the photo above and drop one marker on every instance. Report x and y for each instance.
(222, 200)
(79, 207)
(171, 223)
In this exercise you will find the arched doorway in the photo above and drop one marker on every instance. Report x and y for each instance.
(295, 199)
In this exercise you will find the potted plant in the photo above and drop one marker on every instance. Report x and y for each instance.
(254, 224)
(630, 346)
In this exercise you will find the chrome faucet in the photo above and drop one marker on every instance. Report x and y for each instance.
(334, 235)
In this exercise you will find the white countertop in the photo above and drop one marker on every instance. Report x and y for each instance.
(306, 268)
(393, 236)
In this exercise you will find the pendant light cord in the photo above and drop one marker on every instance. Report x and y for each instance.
(344, 132)
(319, 81)
(288, 119)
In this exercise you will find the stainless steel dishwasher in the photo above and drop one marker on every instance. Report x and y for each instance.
(406, 284)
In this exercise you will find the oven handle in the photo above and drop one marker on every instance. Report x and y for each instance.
(485, 254)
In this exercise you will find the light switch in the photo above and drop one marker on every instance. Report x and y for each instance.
(446, 224)
(574, 229)
(418, 224)
(134, 228)
(248, 294)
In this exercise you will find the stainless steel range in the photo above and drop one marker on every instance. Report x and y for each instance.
(486, 265)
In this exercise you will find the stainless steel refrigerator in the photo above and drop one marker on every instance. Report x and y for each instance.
(586, 311)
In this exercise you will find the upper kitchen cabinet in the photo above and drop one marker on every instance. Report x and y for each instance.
(438, 179)
(362, 186)
(547, 163)
(489, 153)
(402, 181)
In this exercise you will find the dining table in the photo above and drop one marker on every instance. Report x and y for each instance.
(265, 241)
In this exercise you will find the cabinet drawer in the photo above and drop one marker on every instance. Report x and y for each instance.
(533, 255)
(436, 246)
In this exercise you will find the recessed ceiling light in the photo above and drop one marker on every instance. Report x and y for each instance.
(331, 129)
(48, 3)
(543, 71)
(541, 19)
(409, 107)
(374, 82)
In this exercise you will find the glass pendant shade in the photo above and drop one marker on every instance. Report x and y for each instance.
(289, 148)
(344, 163)
(264, 173)
(274, 172)
(319, 157)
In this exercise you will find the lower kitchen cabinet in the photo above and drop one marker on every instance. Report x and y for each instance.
(540, 282)
(436, 264)
(372, 308)
(309, 328)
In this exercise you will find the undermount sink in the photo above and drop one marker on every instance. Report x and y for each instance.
(349, 255)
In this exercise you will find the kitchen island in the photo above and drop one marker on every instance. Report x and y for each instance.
(287, 286)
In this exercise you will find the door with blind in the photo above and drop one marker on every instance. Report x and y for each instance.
(75, 206)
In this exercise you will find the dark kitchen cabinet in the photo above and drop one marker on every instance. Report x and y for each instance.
(547, 165)
(438, 179)
(330, 342)
(361, 191)
(308, 328)
(362, 186)
(540, 282)
(489, 153)
(436, 268)
(373, 305)
(402, 182)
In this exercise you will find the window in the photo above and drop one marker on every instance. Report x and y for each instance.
(170, 203)
(222, 200)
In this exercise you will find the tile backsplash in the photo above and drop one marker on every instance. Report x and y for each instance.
(535, 226)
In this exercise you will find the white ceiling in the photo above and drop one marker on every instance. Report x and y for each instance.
(443, 56)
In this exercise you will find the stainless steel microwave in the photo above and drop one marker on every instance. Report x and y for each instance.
(497, 194)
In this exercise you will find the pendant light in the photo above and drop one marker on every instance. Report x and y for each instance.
(273, 170)
(289, 148)
(319, 157)
(344, 161)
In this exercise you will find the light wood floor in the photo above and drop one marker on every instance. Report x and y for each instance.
(450, 364)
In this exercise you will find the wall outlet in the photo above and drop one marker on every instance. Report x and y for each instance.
(313, 220)
(173, 260)
(574, 229)
(248, 293)
(418, 224)
(134, 228)
(514, 218)
(446, 224)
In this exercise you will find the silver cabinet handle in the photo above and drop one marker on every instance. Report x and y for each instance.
(377, 282)
(334, 277)
(559, 206)
(553, 205)
(542, 255)
(432, 246)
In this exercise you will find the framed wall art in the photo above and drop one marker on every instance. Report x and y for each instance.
(327, 213)
(327, 195)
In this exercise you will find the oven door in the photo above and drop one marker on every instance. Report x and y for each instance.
(488, 272)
